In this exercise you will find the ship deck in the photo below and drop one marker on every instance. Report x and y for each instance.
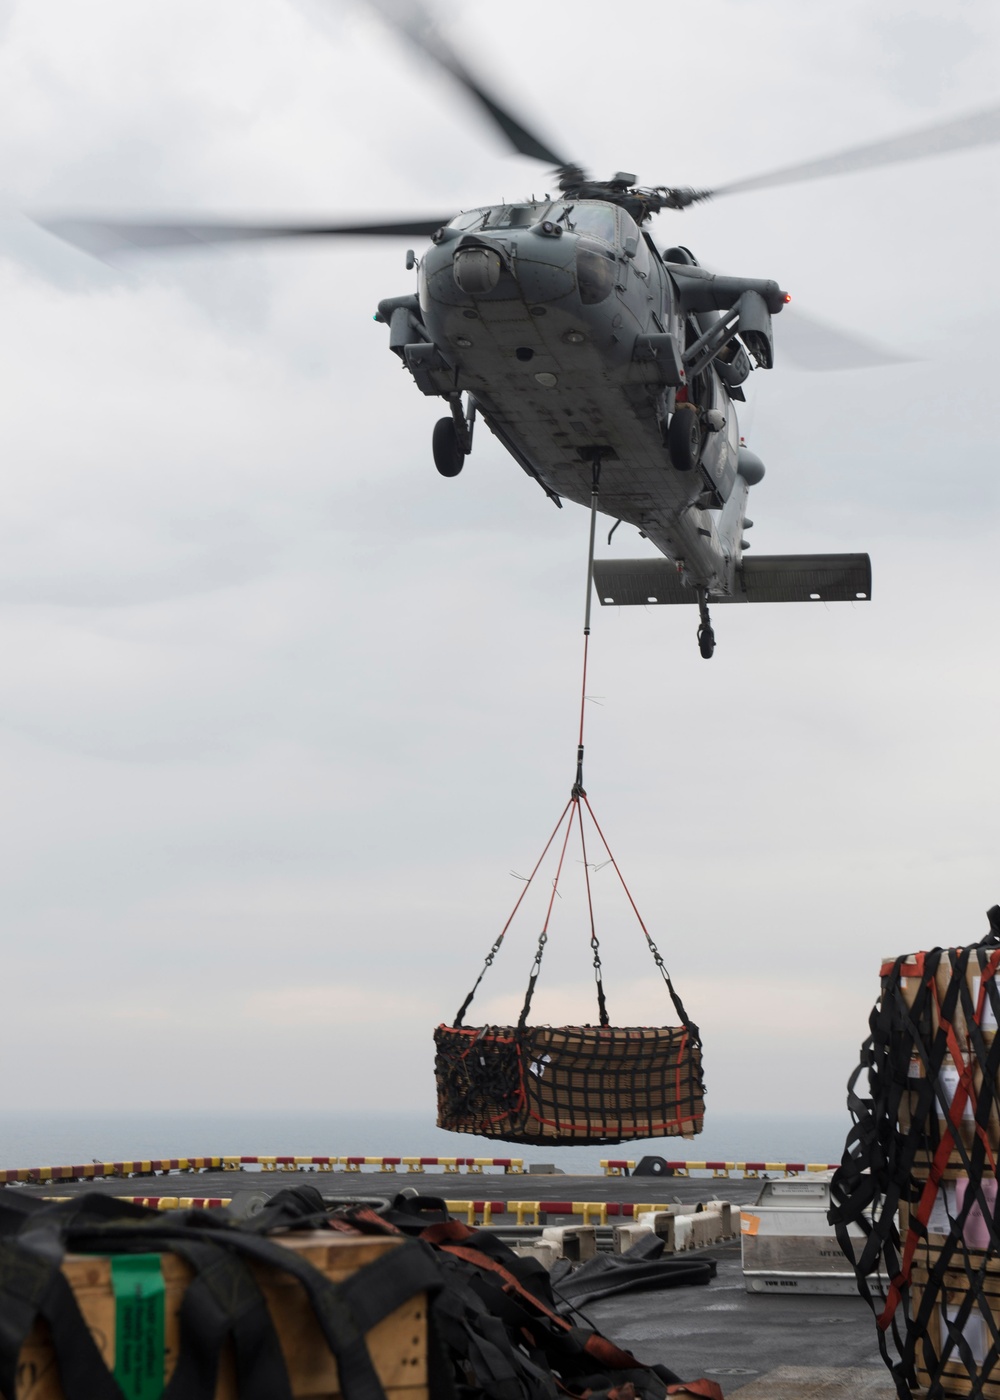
(757, 1347)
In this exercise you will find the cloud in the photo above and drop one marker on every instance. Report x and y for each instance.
(280, 708)
(330, 1005)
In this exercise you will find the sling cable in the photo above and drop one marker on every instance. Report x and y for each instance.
(571, 1084)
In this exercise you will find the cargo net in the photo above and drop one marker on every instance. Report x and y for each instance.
(547, 1084)
(570, 1084)
(916, 1207)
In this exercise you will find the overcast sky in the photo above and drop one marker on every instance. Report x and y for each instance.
(281, 709)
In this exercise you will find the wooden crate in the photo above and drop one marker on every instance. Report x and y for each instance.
(954, 1377)
(398, 1344)
(909, 984)
(948, 1203)
(948, 1080)
(955, 1169)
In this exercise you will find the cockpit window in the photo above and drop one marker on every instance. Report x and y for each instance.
(633, 242)
(594, 220)
(472, 218)
(501, 216)
(586, 217)
(629, 227)
(516, 216)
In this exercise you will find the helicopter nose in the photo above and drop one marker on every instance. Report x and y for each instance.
(476, 270)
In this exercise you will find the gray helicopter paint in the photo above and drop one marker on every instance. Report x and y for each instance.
(768, 578)
(558, 400)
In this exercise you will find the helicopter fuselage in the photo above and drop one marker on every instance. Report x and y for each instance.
(579, 345)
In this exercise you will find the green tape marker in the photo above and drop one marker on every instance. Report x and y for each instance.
(140, 1297)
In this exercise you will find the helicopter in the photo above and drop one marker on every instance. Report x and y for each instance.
(609, 367)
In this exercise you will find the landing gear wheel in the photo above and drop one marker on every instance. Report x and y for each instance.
(684, 438)
(706, 641)
(448, 455)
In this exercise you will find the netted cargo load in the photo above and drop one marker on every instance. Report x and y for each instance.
(571, 1084)
(580, 1084)
(919, 1172)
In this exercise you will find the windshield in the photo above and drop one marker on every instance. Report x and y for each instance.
(501, 216)
(472, 218)
(594, 220)
(588, 217)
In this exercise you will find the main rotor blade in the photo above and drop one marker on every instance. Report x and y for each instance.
(809, 343)
(106, 236)
(977, 129)
(414, 22)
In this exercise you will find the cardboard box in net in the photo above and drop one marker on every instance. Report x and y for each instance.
(972, 1001)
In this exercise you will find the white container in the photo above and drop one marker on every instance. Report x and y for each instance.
(789, 1246)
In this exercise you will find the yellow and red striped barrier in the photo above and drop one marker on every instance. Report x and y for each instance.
(178, 1202)
(162, 1166)
(472, 1166)
(90, 1171)
(619, 1166)
(475, 1212)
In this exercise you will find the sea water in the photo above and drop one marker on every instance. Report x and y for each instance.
(34, 1139)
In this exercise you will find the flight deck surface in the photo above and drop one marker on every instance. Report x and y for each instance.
(758, 1347)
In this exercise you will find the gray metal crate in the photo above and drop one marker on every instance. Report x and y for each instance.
(788, 1246)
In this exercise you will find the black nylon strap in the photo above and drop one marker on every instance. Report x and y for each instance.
(222, 1300)
(389, 1282)
(394, 1278)
(32, 1285)
(881, 1166)
(346, 1311)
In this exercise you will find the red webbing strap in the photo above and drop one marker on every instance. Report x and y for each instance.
(908, 1135)
(966, 1089)
(511, 1284)
(939, 1162)
(914, 969)
(678, 1004)
(929, 1194)
(987, 973)
(606, 1352)
(922, 1213)
(964, 1092)
(446, 1232)
(503, 932)
(596, 1346)
(602, 1007)
(543, 937)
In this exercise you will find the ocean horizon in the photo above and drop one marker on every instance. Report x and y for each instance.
(30, 1138)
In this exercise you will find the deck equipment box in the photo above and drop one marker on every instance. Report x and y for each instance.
(788, 1245)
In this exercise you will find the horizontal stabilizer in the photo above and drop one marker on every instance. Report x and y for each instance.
(767, 578)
